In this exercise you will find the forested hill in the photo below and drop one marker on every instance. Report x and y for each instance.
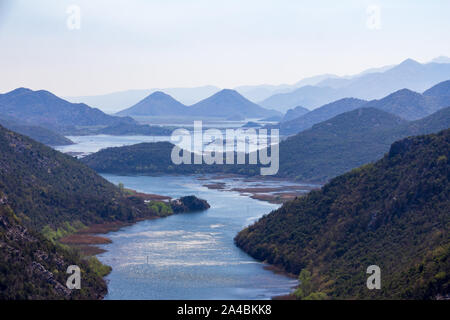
(46, 188)
(350, 140)
(394, 213)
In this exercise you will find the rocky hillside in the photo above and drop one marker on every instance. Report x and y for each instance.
(31, 267)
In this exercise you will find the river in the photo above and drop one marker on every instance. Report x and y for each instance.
(189, 256)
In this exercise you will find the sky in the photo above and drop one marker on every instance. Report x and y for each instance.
(82, 47)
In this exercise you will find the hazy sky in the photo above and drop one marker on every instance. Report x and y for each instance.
(136, 44)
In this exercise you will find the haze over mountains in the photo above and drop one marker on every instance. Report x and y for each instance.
(310, 92)
(116, 101)
(409, 74)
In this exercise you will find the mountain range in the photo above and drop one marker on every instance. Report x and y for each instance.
(117, 101)
(405, 103)
(408, 74)
(310, 97)
(318, 154)
(43, 108)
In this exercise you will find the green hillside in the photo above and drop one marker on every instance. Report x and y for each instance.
(47, 188)
(394, 213)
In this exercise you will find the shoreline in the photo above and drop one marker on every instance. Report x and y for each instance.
(275, 194)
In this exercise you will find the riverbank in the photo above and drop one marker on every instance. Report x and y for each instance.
(87, 239)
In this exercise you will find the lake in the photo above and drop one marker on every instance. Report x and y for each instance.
(189, 256)
(84, 145)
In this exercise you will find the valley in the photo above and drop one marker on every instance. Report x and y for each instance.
(108, 196)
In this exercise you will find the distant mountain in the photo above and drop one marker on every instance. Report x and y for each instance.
(441, 90)
(323, 113)
(441, 59)
(393, 214)
(408, 74)
(226, 104)
(229, 102)
(411, 105)
(294, 113)
(405, 103)
(37, 133)
(116, 101)
(308, 96)
(43, 108)
(260, 92)
(156, 104)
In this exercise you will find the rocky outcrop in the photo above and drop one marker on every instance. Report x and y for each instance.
(31, 267)
(189, 204)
